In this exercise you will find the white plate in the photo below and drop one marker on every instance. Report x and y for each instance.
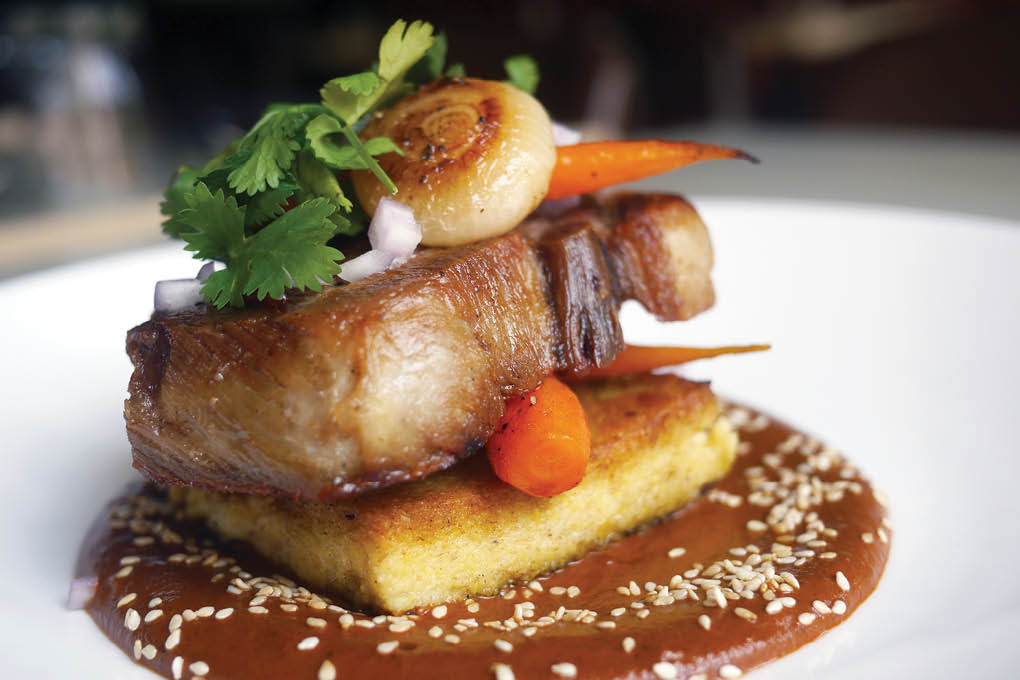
(896, 338)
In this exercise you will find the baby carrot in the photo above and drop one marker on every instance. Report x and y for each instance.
(542, 444)
(584, 168)
(638, 359)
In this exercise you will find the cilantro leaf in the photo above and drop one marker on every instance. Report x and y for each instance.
(290, 252)
(357, 155)
(456, 71)
(268, 204)
(267, 151)
(522, 72)
(216, 225)
(430, 67)
(402, 47)
(316, 180)
(176, 198)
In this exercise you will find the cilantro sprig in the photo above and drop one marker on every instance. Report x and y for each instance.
(271, 202)
(268, 206)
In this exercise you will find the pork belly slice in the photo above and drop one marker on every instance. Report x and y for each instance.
(656, 441)
(400, 375)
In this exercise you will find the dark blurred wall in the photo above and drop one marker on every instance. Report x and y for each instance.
(178, 78)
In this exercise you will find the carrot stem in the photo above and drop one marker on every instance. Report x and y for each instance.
(584, 168)
(638, 359)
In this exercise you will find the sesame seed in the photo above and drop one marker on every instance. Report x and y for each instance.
(806, 618)
(557, 590)
(124, 572)
(173, 639)
(206, 612)
(729, 671)
(132, 619)
(189, 615)
(606, 625)
(882, 535)
(573, 591)
(175, 622)
(664, 670)
(698, 676)
(138, 650)
(643, 614)
(756, 525)
(396, 627)
(199, 668)
(473, 607)
(224, 613)
(327, 671)
(821, 607)
(310, 642)
(564, 670)
(288, 607)
(452, 638)
(177, 667)
(842, 582)
(634, 588)
(704, 621)
(629, 644)
(774, 607)
(536, 586)
(142, 541)
(439, 612)
(153, 615)
(828, 555)
(503, 646)
(619, 611)
(676, 552)
(502, 671)
(745, 614)
(435, 632)
(839, 607)
(868, 537)
(149, 652)
(257, 610)
(127, 599)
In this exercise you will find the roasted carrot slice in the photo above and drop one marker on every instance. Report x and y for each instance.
(584, 168)
(542, 444)
(638, 359)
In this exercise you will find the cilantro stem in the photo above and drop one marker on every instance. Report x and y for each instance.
(369, 160)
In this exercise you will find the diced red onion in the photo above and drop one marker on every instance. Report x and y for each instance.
(176, 295)
(564, 136)
(206, 271)
(364, 265)
(393, 229)
(81, 591)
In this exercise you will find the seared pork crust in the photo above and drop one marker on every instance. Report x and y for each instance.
(392, 378)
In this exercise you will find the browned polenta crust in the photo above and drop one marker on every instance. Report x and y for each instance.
(656, 441)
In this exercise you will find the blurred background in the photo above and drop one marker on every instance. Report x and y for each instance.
(902, 102)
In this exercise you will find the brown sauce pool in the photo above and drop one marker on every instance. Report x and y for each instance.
(791, 541)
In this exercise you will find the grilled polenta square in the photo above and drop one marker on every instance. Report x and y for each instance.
(656, 441)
